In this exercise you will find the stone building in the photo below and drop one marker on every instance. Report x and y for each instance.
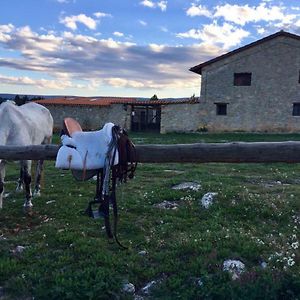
(253, 88)
(133, 114)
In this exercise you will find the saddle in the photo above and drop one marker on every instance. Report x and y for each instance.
(109, 155)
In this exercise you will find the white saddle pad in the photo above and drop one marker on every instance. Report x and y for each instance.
(85, 150)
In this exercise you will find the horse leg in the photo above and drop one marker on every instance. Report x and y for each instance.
(20, 183)
(26, 165)
(38, 174)
(2, 176)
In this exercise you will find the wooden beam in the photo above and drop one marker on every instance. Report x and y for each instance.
(36, 152)
(237, 152)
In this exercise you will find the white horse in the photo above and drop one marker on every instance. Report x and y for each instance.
(29, 124)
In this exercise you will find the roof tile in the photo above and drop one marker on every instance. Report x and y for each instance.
(107, 101)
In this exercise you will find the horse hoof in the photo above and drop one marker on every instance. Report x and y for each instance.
(28, 205)
(19, 189)
(27, 210)
(36, 194)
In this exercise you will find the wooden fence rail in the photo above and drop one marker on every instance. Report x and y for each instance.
(236, 152)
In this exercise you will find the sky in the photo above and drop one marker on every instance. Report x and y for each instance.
(126, 48)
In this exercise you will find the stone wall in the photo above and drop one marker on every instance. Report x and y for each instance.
(267, 104)
(180, 118)
(91, 117)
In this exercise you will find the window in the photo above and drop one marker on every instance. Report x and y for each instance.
(242, 79)
(221, 109)
(299, 77)
(296, 109)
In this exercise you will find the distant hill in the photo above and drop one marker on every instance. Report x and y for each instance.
(12, 96)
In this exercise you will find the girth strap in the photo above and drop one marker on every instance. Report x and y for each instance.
(104, 211)
(115, 211)
(104, 202)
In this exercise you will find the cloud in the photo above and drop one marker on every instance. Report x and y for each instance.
(162, 5)
(243, 14)
(266, 16)
(151, 4)
(148, 3)
(100, 14)
(71, 21)
(226, 35)
(143, 23)
(63, 1)
(121, 82)
(260, 30)
(119, 34)
(104, 61)
(39, 83)
(164, 29)
(4, 32)
(198, 10)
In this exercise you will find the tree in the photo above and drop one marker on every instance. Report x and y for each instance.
(154, 97)
(193, 98)
(37, 98)
(20, 100)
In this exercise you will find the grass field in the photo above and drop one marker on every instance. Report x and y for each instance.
(255, 219)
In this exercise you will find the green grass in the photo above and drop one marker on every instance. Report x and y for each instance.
(255, 218)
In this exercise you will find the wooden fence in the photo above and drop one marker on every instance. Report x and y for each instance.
(236, 152)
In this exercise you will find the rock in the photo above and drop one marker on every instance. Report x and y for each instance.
(207, 199)
(143, 253)
(138, 297)
(200, 282)
(128, 288)
(194, 186)
(263, 264)
(19, 249)
(167, 205)
(174, 171)
(234, 267)
(50, 201)
(147, 288)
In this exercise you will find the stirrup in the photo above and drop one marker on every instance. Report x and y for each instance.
(93, 213)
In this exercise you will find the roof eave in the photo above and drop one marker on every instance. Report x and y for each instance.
(198, 68)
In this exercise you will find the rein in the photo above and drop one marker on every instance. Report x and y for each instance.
(108, 177)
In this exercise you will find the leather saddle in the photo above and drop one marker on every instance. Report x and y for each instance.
(117, 169)
(70, 126)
